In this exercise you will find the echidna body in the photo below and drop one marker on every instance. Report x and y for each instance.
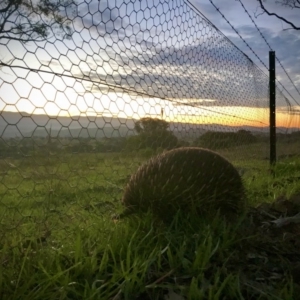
(194, 180)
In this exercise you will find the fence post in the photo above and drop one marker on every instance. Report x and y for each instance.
(272, 107)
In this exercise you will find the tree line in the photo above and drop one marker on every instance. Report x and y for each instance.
(153, 135)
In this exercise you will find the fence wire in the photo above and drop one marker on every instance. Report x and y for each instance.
(80, 112)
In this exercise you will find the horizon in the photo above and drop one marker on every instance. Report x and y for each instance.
(92, 118)
(229, 116)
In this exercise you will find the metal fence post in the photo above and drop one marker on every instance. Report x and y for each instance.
(272, 107)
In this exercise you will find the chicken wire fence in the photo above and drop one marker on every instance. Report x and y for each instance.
(79, 112)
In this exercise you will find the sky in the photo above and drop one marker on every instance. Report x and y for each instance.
(282, 39)
(279, 35)
(166, 58)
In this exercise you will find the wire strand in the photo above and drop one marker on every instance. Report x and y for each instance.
(264, 38)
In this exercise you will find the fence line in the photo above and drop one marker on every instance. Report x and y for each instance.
(79, 115)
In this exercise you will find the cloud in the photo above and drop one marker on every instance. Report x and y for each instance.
(186, 59)
(287, 49)
(105, 19)
(189, 59)
(284, 42)
(176, 75)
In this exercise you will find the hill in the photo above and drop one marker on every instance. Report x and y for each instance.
(24, 125)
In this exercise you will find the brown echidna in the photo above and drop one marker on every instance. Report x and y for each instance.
(194, 180)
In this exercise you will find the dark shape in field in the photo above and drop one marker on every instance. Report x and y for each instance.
(194, 180)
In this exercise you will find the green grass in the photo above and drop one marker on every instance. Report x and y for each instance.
(134, 259)
(58, 238)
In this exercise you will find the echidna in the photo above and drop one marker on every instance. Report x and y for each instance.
(194, 180)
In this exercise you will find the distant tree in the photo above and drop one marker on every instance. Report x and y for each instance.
(245, 137)
(35, 20)
(153, 133)
(296, 133)
(220, 140)
(287, 3)
(216, 140)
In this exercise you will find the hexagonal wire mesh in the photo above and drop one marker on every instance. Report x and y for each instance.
(79, 113)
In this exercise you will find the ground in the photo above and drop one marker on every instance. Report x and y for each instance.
(59, 238)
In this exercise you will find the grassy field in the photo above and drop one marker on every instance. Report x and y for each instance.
(59, 238)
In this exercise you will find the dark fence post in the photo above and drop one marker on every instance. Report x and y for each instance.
(272, 108)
